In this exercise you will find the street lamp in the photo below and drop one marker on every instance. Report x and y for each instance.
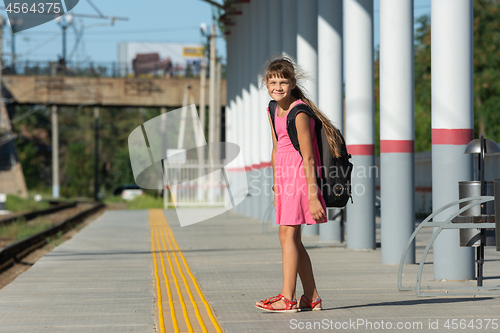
(64, 22)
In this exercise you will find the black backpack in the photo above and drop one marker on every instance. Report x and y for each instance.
(335, 182)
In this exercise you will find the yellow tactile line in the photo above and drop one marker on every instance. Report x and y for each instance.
(160, 224)
(169, 292)
(197, 286)
(160, 306)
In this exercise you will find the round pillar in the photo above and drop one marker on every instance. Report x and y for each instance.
(360, 124)
(396, 130)
(452, 126)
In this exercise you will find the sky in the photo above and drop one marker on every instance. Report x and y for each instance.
(148, 21)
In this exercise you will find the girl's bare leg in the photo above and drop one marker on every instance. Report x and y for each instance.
(290, 259)
(305, 270)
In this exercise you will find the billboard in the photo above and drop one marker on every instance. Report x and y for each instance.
(135, 58)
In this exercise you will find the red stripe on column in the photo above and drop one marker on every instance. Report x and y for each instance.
(396, 146)
(459, 136)
(361, 149)
(266, 164)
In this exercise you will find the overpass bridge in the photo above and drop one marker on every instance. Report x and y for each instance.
(101, 91)
(83, 91)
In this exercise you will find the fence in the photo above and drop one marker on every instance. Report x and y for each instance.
(95, 69)
(195, 184)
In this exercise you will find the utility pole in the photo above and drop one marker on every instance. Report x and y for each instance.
(201, 161)
(203, 83)
(55, 152)
(55, 145)
(211, 121)
(218, 103)
(13, 51)
(96, 156)
(3, 125)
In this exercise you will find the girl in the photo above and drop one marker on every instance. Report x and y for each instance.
(297, 199)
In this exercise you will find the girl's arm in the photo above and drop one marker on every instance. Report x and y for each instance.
(305, 142)
(273, 156)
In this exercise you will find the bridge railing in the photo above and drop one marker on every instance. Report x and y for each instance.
(96, 69)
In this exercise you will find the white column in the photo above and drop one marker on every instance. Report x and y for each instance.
(253, 113)
(307, 44)
(248, 102)
(307, 58)
(289, 31)
(331, 86)
(263, 45)
(360, 124)
(397, 129)
(275, 47)
(274, 23)
(452, 126)
(239, 112)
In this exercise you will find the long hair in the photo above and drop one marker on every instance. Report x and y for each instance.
(284, 67)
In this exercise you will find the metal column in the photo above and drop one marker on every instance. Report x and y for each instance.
(452, 126)
(55, 152)
(331, 88)
(396, 130)
(360, 125)
(307, 58)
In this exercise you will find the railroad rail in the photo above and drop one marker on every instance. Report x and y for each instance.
(16, 251)
(34, 214)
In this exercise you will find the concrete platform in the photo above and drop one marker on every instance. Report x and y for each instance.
(103, 280)
(99, 281)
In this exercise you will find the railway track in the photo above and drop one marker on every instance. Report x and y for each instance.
(14, 252)
(34, 214)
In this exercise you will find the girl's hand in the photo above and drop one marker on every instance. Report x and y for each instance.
(275, 199)
(316, 209)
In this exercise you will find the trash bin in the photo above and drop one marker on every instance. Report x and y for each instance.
(472, 237)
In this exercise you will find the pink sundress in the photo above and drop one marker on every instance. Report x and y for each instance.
(292, 205)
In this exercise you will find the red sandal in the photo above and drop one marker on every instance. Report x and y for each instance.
(309, 305)
(269, 307)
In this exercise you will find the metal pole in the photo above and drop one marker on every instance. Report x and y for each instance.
(360, 122)
(55, 152)
(13, 51)
(307, 57)
(3, 121)
(452, 126)
(218, 104)
(331, 88)
(203, 80)
(211, 115)
(163, 126)
(64, 28)
(96, 154)
(396, 130)
(480, 248)
(203, 84)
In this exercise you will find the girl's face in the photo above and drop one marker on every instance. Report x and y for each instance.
(279, 88)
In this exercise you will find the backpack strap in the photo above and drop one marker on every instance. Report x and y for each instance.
(272, 109)
(292, 128)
